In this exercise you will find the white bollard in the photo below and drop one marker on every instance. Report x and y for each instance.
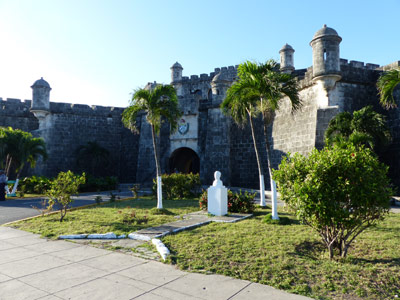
(217, 197)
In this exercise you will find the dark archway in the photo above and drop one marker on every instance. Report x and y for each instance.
(184, 160)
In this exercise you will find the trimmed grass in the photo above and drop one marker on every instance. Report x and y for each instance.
(287, 256)
(291, 257)
(108, 217)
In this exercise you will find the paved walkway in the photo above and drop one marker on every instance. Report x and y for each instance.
(188, 221)
(34, 268)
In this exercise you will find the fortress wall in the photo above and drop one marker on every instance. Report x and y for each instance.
(145, 160)
(217, 152)
(295, 132)
(70, 126)
(244, 168)
(16, 114)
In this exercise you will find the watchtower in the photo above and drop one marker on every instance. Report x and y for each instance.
(176, 72)
(326, 56)
(287, 60)
(41, 100)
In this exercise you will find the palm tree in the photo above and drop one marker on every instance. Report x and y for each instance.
(270, 87)
(17, 148)
(386, 84)
(241, 103)
(159, 104)
(92, 155)
(363, 127)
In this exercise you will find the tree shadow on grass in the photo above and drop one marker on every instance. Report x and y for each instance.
(390, 262)
(309, 249)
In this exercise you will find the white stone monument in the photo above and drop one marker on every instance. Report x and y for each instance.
(217, 197)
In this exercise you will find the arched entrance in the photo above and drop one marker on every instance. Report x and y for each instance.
(184, 160)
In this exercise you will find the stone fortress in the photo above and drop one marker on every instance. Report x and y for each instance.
(206, 139)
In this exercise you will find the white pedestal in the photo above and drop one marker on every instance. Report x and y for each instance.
(217, 197)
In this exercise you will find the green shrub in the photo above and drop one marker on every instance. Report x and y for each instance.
(61, 189)
(337, 191)
(98, 199)
(129, 216)
(97, 184)
(178, 186)
(135, 190)
(113, 197)
(237, 202)
(34, 185)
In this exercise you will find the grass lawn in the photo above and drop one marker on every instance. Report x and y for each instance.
(107, 218)
(291, 257)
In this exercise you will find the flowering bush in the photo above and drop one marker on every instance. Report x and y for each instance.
(237, 202)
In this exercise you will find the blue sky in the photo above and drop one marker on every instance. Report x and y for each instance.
(97, 52)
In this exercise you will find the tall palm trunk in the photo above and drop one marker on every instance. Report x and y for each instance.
(273, 184)
(8, 165)
(158, 170)
(260, 168)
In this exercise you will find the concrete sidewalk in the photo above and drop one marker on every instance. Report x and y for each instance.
(35, 268)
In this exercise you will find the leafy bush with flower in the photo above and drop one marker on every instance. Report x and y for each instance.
(237, 202)
(338, 191)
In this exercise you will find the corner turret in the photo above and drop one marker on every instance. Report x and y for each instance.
(326, 57)
(219, 85)
(40, 100)
(287, 60)
(176, 72)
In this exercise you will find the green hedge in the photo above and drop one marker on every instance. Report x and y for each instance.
(96, 184)
(40, 184)
(237, 202)
(178, 186)
(34, 185)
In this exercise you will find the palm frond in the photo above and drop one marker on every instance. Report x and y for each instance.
(386, 85)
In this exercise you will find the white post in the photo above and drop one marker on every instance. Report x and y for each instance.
(262, 191)
(159, 193)
(274, 200)
(15, 187)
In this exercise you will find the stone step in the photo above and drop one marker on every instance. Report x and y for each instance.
(189, 221)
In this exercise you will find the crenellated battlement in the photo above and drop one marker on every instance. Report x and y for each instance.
(390, 66)
(12, 106)
(195, 79)
(358, 64)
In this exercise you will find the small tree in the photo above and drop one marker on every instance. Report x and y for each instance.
(62, 187)
(338, 191)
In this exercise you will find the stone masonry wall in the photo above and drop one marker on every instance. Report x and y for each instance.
(71, 126)
(16, 114)
(244, 168)
(295, 131)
